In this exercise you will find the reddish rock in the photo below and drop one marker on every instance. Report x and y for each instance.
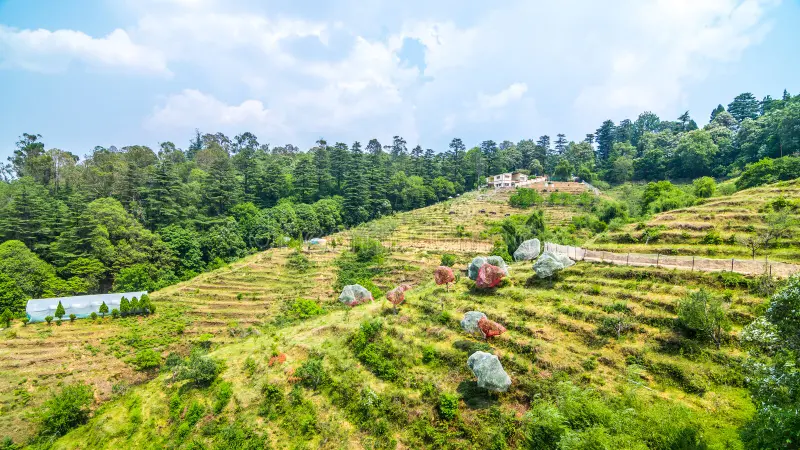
(489, 276)
(490, 328)
(443, 275)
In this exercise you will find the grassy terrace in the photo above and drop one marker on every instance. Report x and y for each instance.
(682, 231)
(554, 335)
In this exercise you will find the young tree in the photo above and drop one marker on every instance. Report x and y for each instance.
(124, 306)
(705, 315)
(60, 311)
(72, 317)
(103, 310)
(704, 187)
(66, 410)
(6, 318)
(115, 313)
(48, 319)
(135, 308)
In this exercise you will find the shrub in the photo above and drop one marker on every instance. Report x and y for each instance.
(448, 260)
(712, 237)
(298, 261)
(544, 426)
(146, 359)
(500, 249)
(93, 315)
(48, 319)
(72, 317)
(525, 198)
(224, 394)
(200, 370)
(302, 308)
(376, 351)
(115, 313)
(68, 409)
(428, 354)
(6, 318)
(312, 373)
(368, 250)
(448, 406)
(103, 309)
(704, 187)
(704, 315)
(769, 171)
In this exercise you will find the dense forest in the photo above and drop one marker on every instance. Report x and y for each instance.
(135, 218)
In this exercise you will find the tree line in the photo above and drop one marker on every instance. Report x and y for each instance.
(135, 218)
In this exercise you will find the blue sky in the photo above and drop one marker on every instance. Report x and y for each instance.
(101, 72)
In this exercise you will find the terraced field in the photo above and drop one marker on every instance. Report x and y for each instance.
(683, 231)
(561, 349)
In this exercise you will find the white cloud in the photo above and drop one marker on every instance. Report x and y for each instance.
(48, 51)
(192, 108)
(500, 100)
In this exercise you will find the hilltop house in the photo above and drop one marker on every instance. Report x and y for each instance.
(507, 180)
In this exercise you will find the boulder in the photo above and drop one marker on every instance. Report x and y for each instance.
(355, 294)
(470, 322)
(499, 262)
(551, 263)
(475, 266)
(487, 368)
(443, 275)
(489, 276)
(528, 250)
(490, 328)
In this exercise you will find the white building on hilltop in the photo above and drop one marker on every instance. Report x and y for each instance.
(507, 180)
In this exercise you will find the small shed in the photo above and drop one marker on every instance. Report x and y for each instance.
(80, 305)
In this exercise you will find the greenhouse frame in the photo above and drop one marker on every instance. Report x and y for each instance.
(80, 305)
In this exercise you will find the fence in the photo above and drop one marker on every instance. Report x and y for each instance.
(742, 266)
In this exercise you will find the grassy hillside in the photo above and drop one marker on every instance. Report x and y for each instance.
(714, 228)
(298, 375)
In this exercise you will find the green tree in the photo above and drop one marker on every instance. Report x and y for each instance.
(146, 359)
(103, 310)
(604, 136)
(704, 187)
(115, 313)
(303, 179)
(355, 194)
(744, 106)
(6, 317)
(716, 111)
(694, 155)
(124, 306)
(563, 170)
(48, 319)
(66, 410)
(11, 295)
(60, 311)
(704, 315)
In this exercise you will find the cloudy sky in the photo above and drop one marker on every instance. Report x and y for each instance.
(121, 72)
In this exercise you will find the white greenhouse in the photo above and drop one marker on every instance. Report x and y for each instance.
(80, 305)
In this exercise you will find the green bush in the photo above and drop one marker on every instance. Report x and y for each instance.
(448, 260)
(525, 198)
(448, 406)
(312, 373)
(298, 261)
(769, 171)
(704, 187)
(48, 319)
(72, 317)
(376, 351)
(146, 359)
(704, 315)
(93, 315)
(68, 409)
(368, 250)
(224, 394)
(302, 308)
(712, 237)
(115, 314)
(199, 369)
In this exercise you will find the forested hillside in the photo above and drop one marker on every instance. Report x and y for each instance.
(136, 218)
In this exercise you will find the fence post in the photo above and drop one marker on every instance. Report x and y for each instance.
(692, 263)
(658, 257)
(731, 264)
(628, 259)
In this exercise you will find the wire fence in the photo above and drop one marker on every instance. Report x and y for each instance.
(743, 266)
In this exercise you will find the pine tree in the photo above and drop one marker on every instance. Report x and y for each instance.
(195, 145)
(561, 144)
(605, 140)
(355, 192)
(60, 311)
(377, 178)
(124, 306)
(103, 310)
(489, 152)
(245, 147)
(322, 171)
(456, 162)
(303, 179)
(744, 106)
(716, 111)
(161, 196)
(339, 161)
(135, 307)
(589, 139)
(417, 163)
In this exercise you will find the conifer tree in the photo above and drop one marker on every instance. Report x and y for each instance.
(103, 310)
(60, 311)
(124, 306)
(355, 190)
